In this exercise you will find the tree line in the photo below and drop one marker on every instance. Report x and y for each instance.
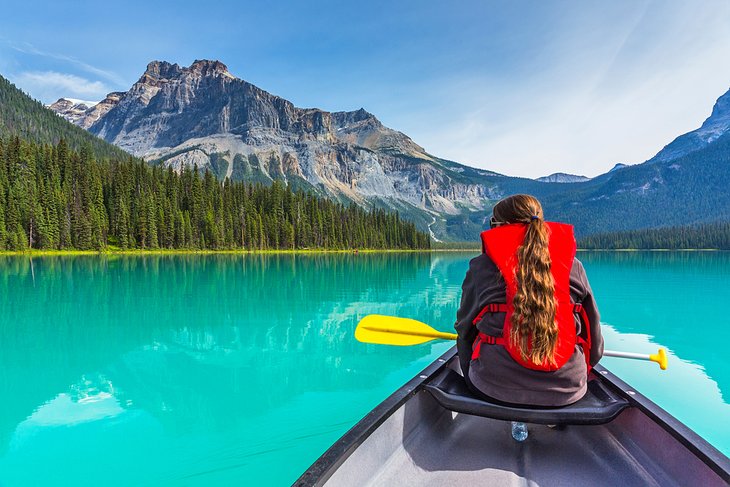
(703, 236)
(52, 197)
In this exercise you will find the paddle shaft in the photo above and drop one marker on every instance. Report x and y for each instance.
(635, 356)
(430, 334)
(391, 330)
(453, 336)
(606, 353)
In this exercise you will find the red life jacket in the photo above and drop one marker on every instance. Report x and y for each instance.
(501, 244)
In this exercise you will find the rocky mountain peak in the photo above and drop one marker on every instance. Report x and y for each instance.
(85, 113)
(714, 127)
(358, 118)
(719, 120)
(619, 165)
(203, 116)
(159, 71)
(114, 96)
(362, 114)
(173, 104)
(206, 67)
(722, 105)
(71, 109)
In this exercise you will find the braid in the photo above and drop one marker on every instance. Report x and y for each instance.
(534, 326)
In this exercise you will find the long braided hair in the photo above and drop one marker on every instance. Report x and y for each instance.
(534, 327)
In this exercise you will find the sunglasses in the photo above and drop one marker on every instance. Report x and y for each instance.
(494, 223)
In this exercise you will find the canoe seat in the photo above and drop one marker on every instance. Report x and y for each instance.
(600, 404)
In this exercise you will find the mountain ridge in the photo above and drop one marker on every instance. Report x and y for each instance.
(714, 126)
(204, 116)
(26, 118)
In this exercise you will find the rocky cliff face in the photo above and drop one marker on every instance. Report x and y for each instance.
(203, 115)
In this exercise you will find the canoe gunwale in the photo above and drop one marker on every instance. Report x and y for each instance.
(327, 464)
(701, 448)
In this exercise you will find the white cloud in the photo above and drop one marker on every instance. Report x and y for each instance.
(48, 86)
(27, 48)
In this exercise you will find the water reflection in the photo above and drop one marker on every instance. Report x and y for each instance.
(213, 368)
(203, 343)
(684, 389)
(678, 298)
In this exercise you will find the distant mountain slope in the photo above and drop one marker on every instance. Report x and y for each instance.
(684, 183)
(716, 125)
(28, 119)
(689, 189)
(561, 177)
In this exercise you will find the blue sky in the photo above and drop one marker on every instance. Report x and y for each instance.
(522, 88)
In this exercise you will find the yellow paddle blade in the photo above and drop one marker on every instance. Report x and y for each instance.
(660, 357)
(391, 330)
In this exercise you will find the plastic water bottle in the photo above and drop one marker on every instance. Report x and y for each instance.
(519, 431)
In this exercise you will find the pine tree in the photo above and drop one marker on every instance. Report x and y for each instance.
(53, 197)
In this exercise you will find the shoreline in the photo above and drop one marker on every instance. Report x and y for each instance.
(652, 250)
(45, 253)
(48, 253)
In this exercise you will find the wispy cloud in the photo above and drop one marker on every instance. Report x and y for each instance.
(561, 86)
(607, 92)
(51, 85)
(27, 48)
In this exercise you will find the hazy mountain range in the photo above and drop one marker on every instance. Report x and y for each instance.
(204, 115)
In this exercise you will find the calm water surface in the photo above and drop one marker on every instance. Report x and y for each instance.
(217, 370)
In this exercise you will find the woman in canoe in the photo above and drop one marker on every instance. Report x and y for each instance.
(528, 325)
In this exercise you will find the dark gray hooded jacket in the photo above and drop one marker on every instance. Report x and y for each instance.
(495, 373)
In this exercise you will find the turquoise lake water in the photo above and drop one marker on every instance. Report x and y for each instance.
(222, 369)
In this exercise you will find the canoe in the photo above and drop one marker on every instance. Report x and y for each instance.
(433, 432)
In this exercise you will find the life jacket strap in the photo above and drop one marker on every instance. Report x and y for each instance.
(585, 343)
(489, 340)
(490, 308)
(578, 309)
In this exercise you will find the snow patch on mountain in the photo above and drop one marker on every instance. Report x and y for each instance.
(561, 177)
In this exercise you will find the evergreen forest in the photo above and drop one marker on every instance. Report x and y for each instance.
(53, 197)
(705, 236)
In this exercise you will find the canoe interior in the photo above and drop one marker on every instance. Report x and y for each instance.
(600, 405)
(419, 443)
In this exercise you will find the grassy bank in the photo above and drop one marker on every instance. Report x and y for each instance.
(42, 253)
(45, 253)
(650, 250)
